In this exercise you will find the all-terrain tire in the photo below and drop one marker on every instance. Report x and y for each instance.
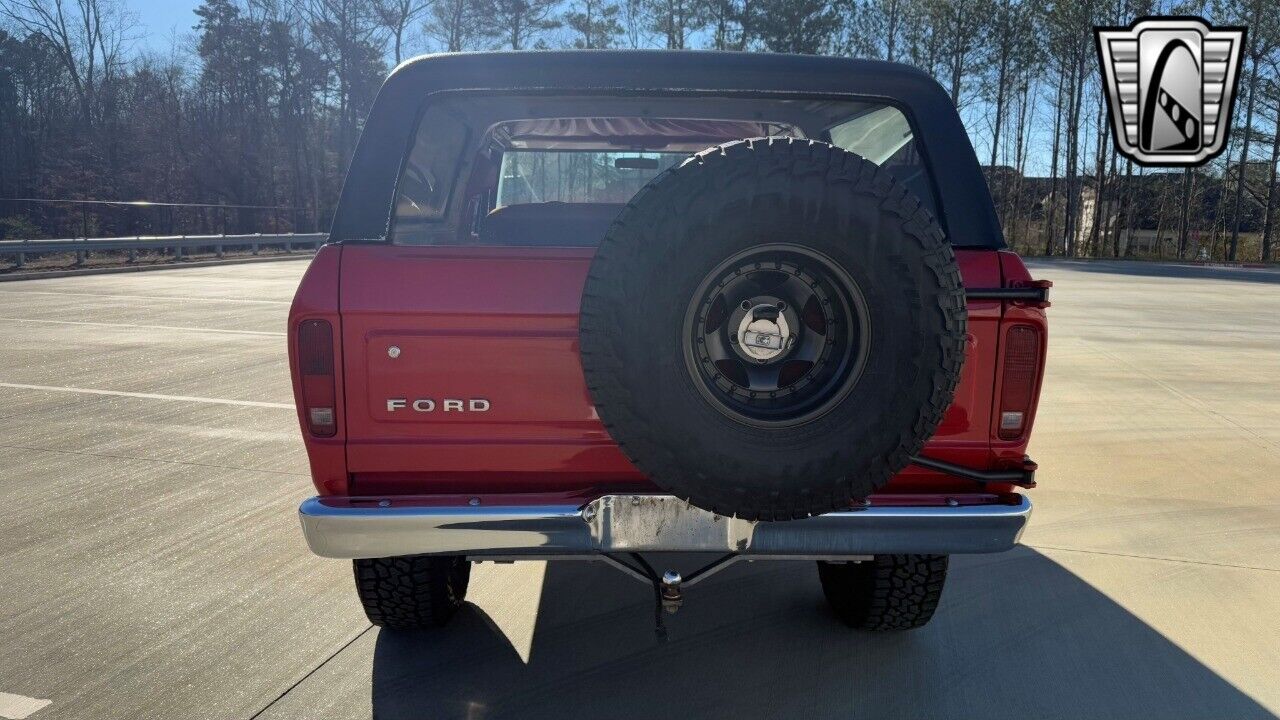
(413, 592)
(889, 592)
(738, 198)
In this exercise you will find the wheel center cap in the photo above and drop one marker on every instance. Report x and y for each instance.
(763, 339)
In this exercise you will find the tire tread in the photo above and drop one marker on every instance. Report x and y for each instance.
(411, 592)
(887, 593)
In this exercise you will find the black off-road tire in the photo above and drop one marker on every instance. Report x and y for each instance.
(736, 198)
(414, 592)
(889, 592)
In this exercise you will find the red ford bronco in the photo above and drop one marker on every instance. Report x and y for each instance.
(595, 305)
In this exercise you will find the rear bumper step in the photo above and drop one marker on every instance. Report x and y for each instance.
(362, 528)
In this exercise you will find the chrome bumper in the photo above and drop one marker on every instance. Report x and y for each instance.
(346, 528)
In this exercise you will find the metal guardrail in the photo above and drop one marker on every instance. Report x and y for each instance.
(171, 243)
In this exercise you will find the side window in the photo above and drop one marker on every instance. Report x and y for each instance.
(422, 195)
(883, 135)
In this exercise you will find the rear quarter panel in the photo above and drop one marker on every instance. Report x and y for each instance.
(317, 299)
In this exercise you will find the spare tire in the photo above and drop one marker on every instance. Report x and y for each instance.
(773, 328)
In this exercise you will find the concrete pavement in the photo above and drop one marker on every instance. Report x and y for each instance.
(151, 564)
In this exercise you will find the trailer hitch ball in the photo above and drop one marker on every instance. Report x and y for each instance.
(671, 593)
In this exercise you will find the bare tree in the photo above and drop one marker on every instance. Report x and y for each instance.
(89, 37)
(1262, 40)
(1272, 92)
(676, 20)
(1068, 26)
(1011, 48)
(634, 20)
(1059, 110)
(923, 38)
(344, 32)
(961, 24)
(1099, 177)
(730, 23)
(877, 26)
(1027, 97)
(395, 16)
(455, 25)
(1184, 219)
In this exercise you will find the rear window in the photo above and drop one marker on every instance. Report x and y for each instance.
(577, 176)
(529, 170)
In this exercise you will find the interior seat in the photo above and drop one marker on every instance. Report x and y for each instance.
(548, 224)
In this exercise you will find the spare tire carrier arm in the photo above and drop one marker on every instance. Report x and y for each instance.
(1024, 477)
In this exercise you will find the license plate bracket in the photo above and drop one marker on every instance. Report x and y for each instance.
(658, 523)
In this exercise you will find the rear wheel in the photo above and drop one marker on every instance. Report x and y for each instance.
(407, 593)
(888, 592)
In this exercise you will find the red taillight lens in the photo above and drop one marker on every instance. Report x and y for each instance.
(1021, 371)
(315, 365)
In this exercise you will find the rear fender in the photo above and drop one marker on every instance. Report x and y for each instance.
(1009, 453)
(317, 299)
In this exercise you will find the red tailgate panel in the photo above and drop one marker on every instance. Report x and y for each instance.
(500, 326)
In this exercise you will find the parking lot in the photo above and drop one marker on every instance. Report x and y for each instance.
(151, 563)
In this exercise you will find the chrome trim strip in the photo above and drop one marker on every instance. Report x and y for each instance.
(338, 529)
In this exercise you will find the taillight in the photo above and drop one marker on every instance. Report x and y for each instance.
(315, 365)
(1021, 370)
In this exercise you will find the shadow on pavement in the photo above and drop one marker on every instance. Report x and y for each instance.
(1155, 269)
(1017, 636)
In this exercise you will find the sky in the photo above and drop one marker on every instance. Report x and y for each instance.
(160, 20)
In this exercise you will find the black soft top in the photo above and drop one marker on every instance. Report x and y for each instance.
(965, 209)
